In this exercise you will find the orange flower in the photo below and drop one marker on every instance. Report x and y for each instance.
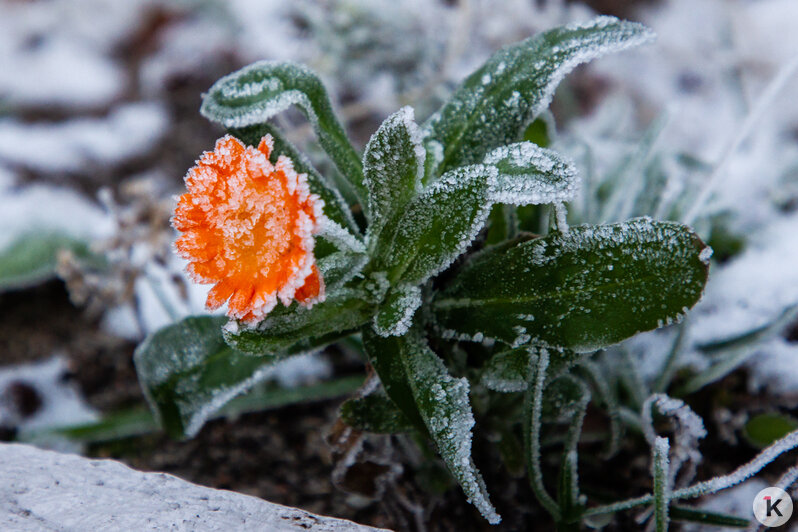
(248, 228)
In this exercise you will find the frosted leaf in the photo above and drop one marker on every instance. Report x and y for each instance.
(302, 328)
(263, 89)
(340, 267)
(395, 316)
(443, 403)
(508, 371)
(529, 174)
(586, 289)
(688, 430)
(187, 373)
(495, 103)
(32, 258)
(393, 164)
(417, 381)
(437, 226)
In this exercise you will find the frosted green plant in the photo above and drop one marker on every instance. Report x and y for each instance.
(421, 252)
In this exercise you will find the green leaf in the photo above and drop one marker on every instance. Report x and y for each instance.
(540, 131)
(335, 208)
(375, 413)
(507, 371)
(393, 165)
(340, 267)
(139, 420)
(388, 356)
(299, 327)
(763, 429)
(502, 225)
(436, 226)
(187, 372)
(696, 515)
(417, 380)
(395, 315)
(32, 258)
(261, 90)
(581, 290)
(531, 175)
(495, 104)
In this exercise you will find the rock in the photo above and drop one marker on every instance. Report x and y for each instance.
(46, 490)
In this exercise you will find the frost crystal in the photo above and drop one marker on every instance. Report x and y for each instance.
(446, 410)
(529, 174)
(396, 315)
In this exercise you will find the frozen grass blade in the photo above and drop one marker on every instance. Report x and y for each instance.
(660, 470)
(533, 405)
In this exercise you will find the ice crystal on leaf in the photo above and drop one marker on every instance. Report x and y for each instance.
(248, 228)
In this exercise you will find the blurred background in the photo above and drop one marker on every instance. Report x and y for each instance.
(99, 122)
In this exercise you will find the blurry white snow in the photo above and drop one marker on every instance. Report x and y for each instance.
(49, 208)
(754, 288)
(60, 403)
(774, 368)
(733, 501)
(59, 53)
(129, 130)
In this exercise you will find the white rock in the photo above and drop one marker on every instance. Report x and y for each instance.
(45, 490)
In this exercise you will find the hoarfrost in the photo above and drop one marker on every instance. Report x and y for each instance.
(447, 413)
(393, 167)
(396, 315)
(529, 174)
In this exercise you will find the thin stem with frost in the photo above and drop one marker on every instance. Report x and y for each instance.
(787, 443)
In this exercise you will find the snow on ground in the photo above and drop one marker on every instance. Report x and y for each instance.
(48, 208)
(59, 53)
(129, 130)
(39, 396)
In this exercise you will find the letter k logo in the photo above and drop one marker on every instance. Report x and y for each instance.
(773, 507)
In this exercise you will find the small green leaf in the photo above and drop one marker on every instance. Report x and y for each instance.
(507, 371)
(502, 225)
(340, 267)
(697, 515)
(375, 413)
(257, 92)
(495, 104)
(436, 226)
(531, 175)
(335, 208)
(763, 429)
(32, 258)
(582, 290)
(387, 355)
(299, 327)
(393, 165)
(188, 372)
(539, 131)
(395, 315)
(419, 383)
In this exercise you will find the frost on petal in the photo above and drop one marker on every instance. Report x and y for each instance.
(248, 227)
